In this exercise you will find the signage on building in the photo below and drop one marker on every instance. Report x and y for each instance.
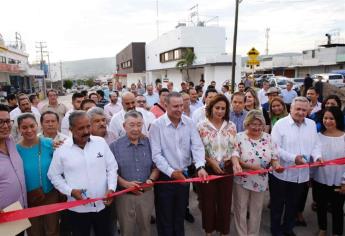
(253, 55)
(8, 68)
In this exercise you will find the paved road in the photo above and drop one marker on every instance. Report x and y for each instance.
(196, 228)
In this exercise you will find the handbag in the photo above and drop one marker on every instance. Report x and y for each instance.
(36, 197)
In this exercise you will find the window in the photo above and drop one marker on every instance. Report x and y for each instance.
(173, 55)
(313, 54)
(11, 61)
(126, 64)
(2, 59)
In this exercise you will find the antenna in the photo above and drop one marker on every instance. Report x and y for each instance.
(194, 13)
(267, 35)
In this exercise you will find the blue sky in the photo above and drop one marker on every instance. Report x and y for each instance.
(80, 29)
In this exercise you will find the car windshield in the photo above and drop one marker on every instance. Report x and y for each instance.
(333, 77)
(299, 80)
(281, 81)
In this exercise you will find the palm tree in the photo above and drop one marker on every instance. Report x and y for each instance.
(186, 61)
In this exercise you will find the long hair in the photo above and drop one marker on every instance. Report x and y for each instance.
(338, 117)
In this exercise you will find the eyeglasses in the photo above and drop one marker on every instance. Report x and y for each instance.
(7, 121)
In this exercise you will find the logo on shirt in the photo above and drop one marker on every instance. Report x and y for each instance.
(99, 155)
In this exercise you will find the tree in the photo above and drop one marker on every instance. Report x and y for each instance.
(68, 83)
(187, 61)
(90, 81)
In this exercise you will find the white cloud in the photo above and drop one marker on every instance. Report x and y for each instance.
(98, 28)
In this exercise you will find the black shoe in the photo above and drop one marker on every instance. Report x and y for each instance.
(301, 223)
(189, 217)
(153, 220)
(290, 234)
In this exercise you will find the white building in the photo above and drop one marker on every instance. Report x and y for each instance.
(324, 59)
(208, 44)
(16, 75)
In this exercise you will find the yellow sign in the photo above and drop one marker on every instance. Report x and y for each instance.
(252, 57)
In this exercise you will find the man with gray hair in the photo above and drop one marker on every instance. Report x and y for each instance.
(128, 103)
(133, 154)
(99, 124)
(84, 167)
(288, 94)
(297, 143)
(174, 140)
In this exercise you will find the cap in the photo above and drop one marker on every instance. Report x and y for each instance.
(272, 90)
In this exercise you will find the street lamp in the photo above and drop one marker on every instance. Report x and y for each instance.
(234, 48)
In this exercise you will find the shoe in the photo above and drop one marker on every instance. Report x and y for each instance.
(301, 223)
(188, 216)
(322, 233)
(153, 220)
(289, 234)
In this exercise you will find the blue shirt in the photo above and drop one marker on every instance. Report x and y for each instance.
(194, 106)
(31, 163)
(151, 99)
(288, 96)
(237, 119)
(172, 146)
(134, 160)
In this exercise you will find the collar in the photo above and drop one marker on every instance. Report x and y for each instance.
(292, 122)
(168, 122)
(129, 143)
(238, 114)
(70, 141)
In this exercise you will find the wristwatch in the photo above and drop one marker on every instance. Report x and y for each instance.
(200, 167)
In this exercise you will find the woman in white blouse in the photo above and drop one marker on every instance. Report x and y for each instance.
(256, 152)
(328, 179)
(219, 137)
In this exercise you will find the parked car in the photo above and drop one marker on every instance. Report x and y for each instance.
(334, 79)
(278, 81)
(297, 84)
(261, 78)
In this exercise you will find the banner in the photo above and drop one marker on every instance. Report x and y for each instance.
(51, 208)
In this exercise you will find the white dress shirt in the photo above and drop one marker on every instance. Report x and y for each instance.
(332, 148)
(262, 96)
(93, 168)
(172, 147)
(316, 108)
(199, 115)
(293, 140)
(194, 106)
(116, 123)
(111, 109)
(65, 123)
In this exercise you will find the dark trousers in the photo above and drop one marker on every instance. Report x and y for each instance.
(303, 198)
(82, 222)
(170, 203)
(215, 202)
(284, 195)
(323, 195)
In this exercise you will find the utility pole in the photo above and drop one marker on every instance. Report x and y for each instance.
(41, 46)
(157, 21)
(61, 76)
(233, 67)
(267, 37)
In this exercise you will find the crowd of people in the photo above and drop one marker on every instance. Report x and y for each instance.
(121, 139)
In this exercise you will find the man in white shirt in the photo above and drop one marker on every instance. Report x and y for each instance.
(77, 98)
(313, 96)
(174, 138)
(99, 125)
(262, 92)
(113, 107)
(151, 97)
(200, 113)
(50, 126)
(84, 167)
(297, 143)
(195, 103)
(24, 106)
(128, 103)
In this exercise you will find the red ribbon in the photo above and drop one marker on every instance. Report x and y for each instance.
(56, 207)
